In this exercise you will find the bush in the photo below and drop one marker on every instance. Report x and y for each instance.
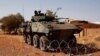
(12, 22)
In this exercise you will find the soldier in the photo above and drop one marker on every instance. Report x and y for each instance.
(36, 13)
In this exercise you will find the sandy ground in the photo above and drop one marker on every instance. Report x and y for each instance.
(13, 45)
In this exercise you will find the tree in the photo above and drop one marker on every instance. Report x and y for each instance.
(12, 22)
(19, 17)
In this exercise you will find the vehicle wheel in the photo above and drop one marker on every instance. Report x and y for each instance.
(35, 40)
(29, 39)
(72, 42)
(43, 43)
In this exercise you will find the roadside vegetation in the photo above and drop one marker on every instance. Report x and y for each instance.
(11, 23)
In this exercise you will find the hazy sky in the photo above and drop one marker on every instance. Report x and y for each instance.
(78, 9)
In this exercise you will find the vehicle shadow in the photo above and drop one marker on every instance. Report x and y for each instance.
(80, 49)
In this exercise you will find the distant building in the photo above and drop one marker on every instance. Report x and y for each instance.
(88, 28)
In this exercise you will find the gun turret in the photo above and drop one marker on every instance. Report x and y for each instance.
(41, 17)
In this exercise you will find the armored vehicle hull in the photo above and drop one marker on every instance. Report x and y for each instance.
(48, 35)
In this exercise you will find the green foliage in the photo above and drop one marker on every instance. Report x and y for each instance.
(50, 13)
(12, 22)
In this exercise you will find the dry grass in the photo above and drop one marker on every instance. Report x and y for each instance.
(13, 45)
(97, 39)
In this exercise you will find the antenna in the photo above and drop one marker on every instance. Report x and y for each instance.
(57, 11)
(23, 8)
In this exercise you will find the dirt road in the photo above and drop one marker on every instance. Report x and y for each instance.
(13, 45)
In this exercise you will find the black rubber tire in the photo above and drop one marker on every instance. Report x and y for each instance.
(72, 42)
(43, 43)
(29, 39)
(36, 41)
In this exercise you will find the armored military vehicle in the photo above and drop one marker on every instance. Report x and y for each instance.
(46, 32)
